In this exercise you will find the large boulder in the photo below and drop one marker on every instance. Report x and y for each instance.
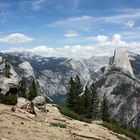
(8, 85)
(39, 100)
(22, 102)
(40, 103)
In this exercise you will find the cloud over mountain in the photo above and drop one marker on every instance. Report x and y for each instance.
(16, 38)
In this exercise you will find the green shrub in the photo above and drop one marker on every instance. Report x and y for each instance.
(129, 132)
(9, 99)
(47, 100)
(58, 124)
(66, 111)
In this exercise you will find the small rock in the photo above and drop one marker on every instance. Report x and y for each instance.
(13, 109)
(85, 124)
(30, 108)
(9, 132)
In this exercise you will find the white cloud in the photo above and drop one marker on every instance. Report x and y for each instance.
(105, 46)
(41, 49)
(130, 24)
(69, 35)
(99, 38)
(126, 18)
(66, 51)
(37, 4)
(117, 38)
(115, 42)
(74, 23)
(81, 18)
(91, 38)
(102, 38)
(16, 38)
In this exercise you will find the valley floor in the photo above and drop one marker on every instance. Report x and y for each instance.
(21, 125)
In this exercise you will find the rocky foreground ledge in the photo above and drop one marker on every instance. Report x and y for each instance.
(21, 125)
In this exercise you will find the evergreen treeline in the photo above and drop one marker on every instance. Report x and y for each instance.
(32, 91)
(6, 69)
(28, 92)
(23, 89)
(85, 101)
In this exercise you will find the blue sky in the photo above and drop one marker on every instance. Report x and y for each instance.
(69, 28)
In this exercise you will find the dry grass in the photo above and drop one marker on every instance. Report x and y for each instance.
(21, 125)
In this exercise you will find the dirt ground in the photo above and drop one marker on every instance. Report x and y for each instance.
(21, 125)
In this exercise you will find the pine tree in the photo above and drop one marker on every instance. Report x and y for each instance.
(78, 88)
(70, 93)
(23, 89)
(32, 91)
(74, 91)
(7, 68)
(104, 110)
(95, 102)
(87, 103)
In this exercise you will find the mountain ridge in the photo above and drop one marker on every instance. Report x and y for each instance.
(52, 76)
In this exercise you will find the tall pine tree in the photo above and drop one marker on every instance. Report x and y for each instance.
(87, 103)
(78, 91)
(32, 91)
(105, 110)
(95, 102)
(7, 68)
(71, 93)
(23, 89)
(74, 91)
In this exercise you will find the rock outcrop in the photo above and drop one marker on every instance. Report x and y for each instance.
(122, 90)
(121, 60)
(8, 85)
(52, 74)
(27, 69)
(117, 80)
(40, 103)
(22, 103)
(123, 94)
(39, 100)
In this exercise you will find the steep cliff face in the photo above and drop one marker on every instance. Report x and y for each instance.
(121, 60)
(8, 84)
(54, 82)
(123, 94)
(52, 74)
(122, 90)
(27, 69)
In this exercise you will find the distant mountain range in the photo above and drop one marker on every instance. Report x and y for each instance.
(118, 77)
(53, 74)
